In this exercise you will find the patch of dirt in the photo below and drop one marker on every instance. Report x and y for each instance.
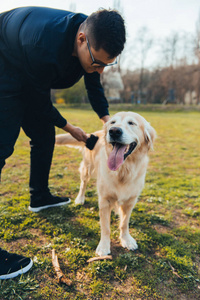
(161, 229)
(175, 293)
(22, 243)
(116, 248)
(40, 237)
(180, 219)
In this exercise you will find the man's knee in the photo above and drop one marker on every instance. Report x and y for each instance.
(43, 142)
(11, 114)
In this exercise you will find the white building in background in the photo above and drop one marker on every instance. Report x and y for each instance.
(113, 84)
(190, 97)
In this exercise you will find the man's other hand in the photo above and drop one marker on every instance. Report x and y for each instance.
(76, 132)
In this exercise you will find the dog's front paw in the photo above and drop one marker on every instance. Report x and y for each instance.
(79, 200)
(103, 248)
(129, 242)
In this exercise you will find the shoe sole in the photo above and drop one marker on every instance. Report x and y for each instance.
(37, 209)
(19, 272)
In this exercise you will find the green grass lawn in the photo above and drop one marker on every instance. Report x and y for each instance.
(165, 222)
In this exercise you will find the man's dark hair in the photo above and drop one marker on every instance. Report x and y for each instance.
(105, 29)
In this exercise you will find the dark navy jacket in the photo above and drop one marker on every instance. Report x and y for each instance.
(36, 45)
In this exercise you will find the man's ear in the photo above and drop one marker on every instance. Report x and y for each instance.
(81, 38)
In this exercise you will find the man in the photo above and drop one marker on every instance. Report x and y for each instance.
(40, 49)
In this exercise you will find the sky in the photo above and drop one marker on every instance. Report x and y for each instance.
(161, 17)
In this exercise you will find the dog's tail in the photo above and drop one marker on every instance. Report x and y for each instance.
(68, 140)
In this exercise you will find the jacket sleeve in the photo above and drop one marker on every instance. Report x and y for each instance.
(96, 94)
(40, 70)
(47, 111)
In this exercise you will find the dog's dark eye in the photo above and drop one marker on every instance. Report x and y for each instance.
(113, 122)
(131, 123)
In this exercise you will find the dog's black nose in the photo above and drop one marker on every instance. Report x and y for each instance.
(115, 132)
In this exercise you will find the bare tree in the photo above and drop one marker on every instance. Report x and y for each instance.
(112, 78)
(197, 54)
(72, 6)
(173, 45)
(185, 50)
(136, 56)
(118, 6)
(169, 49)
(143, 43)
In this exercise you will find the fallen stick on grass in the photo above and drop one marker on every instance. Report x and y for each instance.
(99, 258)
(174, 271)
(60, 276)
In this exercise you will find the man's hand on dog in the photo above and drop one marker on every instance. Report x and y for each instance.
(105, 119)
(76, 132)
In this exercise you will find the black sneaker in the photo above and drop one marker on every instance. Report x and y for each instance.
(12, 265)
(42, 202)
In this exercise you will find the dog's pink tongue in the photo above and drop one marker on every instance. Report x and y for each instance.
(116, 157)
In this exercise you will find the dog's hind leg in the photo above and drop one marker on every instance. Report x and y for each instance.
(85, 177)
(126, 239)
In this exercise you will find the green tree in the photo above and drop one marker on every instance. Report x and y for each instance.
(74, 94)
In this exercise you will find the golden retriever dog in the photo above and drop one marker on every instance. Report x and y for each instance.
(119, 161)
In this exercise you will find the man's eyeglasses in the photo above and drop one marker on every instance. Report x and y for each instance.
(96, 63)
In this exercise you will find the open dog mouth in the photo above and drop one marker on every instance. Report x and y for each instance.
(119, 153)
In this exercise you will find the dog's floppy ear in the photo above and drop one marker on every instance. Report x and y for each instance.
(149, 134)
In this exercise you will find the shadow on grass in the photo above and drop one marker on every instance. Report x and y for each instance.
(165, 256)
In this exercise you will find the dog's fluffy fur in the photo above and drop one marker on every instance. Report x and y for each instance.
(120, 177)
